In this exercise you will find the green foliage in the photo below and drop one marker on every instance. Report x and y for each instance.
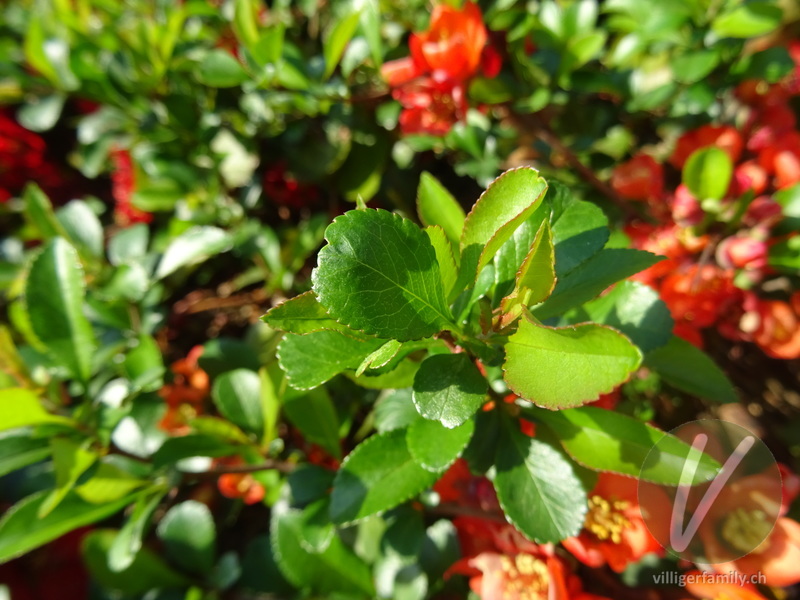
(606, 441)
(196, 164)
(379, 271)
(538, 487)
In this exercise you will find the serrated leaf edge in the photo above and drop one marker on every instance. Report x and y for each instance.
(600, 393)
(365, 443)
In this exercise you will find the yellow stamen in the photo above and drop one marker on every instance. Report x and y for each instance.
(606, 519)
(526, 577)
(745, 529)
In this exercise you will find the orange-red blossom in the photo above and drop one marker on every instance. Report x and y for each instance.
(431, 83)
(614, 532)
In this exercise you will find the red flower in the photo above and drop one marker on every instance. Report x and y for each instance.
(453, 42)
(521, 576)
(742, 252)
(722, 136)
(667, 240)
(282, 188)
(185, 395)
(430, 106)
(614, 532)
(739, 519)
(641, 178)
(770, 122)
(22, 159)
(686, 210)
(698, 295)
(430, 84)
(748, 176)
(778, 330)
(123, 184)
(782, 158)
(762, 211)
(459, 485)
(239, 485)
(504, 565)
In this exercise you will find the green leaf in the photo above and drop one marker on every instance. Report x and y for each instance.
(219, 428)
(580, 229)
(444, 256)
(634, 309)
(40, 114)
(536, 277)
(587, 281)
(449, 388)
(695, 66)
(377, 475)
(312, 359)
(129, 245)
(789, 199)
(750, 19)
(21, 408)
(301, 314)
(401, 376)
(691, 370)
(126, 545)
(370, 23)
(82, 227)
(380, 357)
(604, 440)
(237, 396)
(308, 483)
(434, 447)
(335, 42)
(785, 255)
(270, 403)
(188, 446)
(71, 460)
(108, 483)
(145, 571)
(569, 366)
(379, 274)
(337, 568)
(34, 46)
(192, 246)
(317, 531)
(18, 449)
(189, 536)
(537, 487)
(245, 22)
(513, 252)
(707, 173)
(395, 411)
(315, 416)
(505, 205)
(21, 530)
(437, 206)
(144, 365)
(54, 295)
(220, 69)
(771, 65)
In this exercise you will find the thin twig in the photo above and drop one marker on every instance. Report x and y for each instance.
(268, 465)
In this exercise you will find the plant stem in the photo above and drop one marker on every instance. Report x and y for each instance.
(268, 465)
